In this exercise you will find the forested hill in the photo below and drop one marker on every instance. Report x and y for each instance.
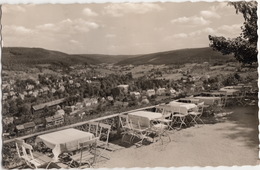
(178, 57)
(32, 56)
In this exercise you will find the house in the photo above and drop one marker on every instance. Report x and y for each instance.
(150, 92)
(30, 126)
(35, 93)
(8, 120)
(89, 101)
(124, 87)
(110, 98)
(70, 81)
(45, 89)
(120, 104)
(54, 120)
(77, 85)
(79, 105)
(62, 88)
(48, 104)
(160, 91)
(11, 93)
(53, 90)
(29, 87)
(69, 108)
(60, 112)
(136, 94)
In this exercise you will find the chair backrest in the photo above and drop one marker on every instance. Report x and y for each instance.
(124, 122)
(104, 130)
(24, 150)
(168, 111)
(200, 107)
(134, 121)
(93, 128)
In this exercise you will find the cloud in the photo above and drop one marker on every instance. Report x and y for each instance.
(180, 35)
(118, 10)
(230, 28)
(74, 42)
(12, 8)
(69, 26)
(193, 20)
(207, 30)
(88, 12)
(209, 14)
(110, 35)
(14, 29)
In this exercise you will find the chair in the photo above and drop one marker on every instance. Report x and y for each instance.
(180, 116)
(87, 154)
(104, 131)
(140, 127)
(125, 124)
(32, 159)
(195, 115)
(94, 128)
(160, 128)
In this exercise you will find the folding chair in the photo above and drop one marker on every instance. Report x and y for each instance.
(160, 129)
(140, 127)
(195, 115)
(93, 128)
(180, 117)
(32, 159)
(126, 129)
(87, 154)
(104, 132)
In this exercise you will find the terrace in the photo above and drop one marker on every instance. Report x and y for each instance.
(217, 140)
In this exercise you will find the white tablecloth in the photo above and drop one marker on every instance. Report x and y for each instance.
(64, 140)
(177, 105)
(143, 118)
(209, 100)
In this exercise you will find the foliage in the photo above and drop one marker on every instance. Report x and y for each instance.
(244, 47)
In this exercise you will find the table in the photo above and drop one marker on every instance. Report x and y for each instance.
(188, 106)
(147, 114)
(64, 140)
(230, 91)
(209, 100)
(188, 100)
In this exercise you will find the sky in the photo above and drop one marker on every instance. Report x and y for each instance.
(118, 28)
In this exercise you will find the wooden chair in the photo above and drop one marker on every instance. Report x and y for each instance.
(32, 159)
(87, 154)
(93, 127)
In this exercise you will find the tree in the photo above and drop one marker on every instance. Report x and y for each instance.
(243, 47)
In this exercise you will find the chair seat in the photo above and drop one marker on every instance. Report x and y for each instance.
(160, 126)
(194, 113)
(165, 120)
(179, 115)
(40, 159)
(86, 155)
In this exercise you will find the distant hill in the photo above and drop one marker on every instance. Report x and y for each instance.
(32, 56)
(178, 57)
(107, 58)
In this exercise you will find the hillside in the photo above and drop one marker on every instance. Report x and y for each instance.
(178, 57)
(32, 56)
(110, 59)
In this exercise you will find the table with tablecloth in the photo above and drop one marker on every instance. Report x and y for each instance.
(64, 140)
(188, 106)
(209, 100)
(230, 91)
(143, 117)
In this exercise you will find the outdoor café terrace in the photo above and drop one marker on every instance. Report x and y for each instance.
(192, 131)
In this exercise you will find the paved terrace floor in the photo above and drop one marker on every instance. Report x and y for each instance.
(233, 140)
